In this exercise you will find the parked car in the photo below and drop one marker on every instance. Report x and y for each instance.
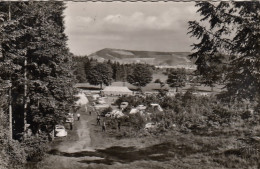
(141, 107)
(60, 131)
(156, 106)
(150, 125)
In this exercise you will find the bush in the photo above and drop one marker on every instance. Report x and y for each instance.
(105, 111)
(246, 115)
(35, 147)
(137, 121)
(12, 154)
(191, 113)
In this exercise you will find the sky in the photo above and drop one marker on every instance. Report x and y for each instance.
(149, 26)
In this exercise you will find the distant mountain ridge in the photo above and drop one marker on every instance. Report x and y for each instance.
(160, 59)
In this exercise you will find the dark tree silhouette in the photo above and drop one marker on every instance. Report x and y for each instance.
(177, 78)
(233, 31)
(141, 76)
(100, 74)
(35, 34)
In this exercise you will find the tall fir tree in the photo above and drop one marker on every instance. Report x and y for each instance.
(38, 39)
(233, 30)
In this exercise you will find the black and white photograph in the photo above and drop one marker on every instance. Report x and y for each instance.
(130, 84)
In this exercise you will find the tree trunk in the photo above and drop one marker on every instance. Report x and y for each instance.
(10, 112)
(212, 88)
(25, 93)
(10, 90)
(9, 11)
(177, 89)
(140, 89)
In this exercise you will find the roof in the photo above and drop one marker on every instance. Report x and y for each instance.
(116, 89)
(148, 88)
(87, 85)
(203, 88)
(154, 86)
(124, 84)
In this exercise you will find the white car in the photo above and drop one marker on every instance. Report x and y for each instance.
(156, 106)
(60, 131)
(141, 107)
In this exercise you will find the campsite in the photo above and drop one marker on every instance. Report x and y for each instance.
(149, 132)
(129, 85)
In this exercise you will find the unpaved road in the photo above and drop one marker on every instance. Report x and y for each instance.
(82, 141)
(86, 146)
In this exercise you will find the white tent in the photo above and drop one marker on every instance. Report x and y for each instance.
(116, 90)
(83, 100)
(95, 96)
(115, 114)
(156, 106)
(134, 111)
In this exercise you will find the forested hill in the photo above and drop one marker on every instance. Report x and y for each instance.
(149, 57)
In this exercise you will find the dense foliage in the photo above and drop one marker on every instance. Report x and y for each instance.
(83, 65)
(36, 61)
(99, 74)
(177, 78)
(230, 40)
(141, 76)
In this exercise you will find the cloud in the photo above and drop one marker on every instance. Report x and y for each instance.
(171, 19)
(139, 21)
(139, 29)
(84, 20)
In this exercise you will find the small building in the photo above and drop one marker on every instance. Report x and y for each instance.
(116, 90)
(87, 86)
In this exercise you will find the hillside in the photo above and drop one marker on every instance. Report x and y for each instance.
(164, 59)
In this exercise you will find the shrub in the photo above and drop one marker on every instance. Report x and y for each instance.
(246, 115)
(157, 81)
(35, 147)
(105, 111)
(137, 121)
(12, 154)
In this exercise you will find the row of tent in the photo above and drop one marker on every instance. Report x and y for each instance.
(139, 109)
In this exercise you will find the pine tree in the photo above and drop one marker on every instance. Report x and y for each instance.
(40, 40)
(233, 31)
(177, 78)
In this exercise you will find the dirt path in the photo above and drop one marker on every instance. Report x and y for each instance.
(88, 136)
(82, 147)
(78, 139)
